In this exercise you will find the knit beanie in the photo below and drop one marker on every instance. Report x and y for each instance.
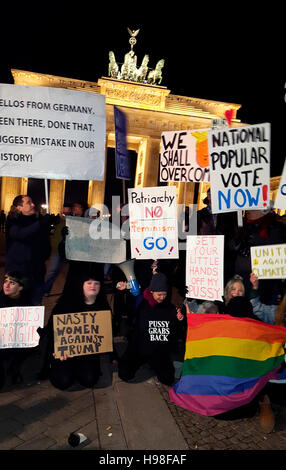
(240, 307)
(159, 283)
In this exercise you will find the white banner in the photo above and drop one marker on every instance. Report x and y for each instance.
(269, 261)
(240, 168)
(18, 326)
(51, 133)
(94, 240)
(204, 267)
(184, 156)
(153, 222)
(280, 201)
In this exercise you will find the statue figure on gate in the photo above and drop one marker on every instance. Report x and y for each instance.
(128, 69)
(156, 74)
(113, 68)
(141, 73)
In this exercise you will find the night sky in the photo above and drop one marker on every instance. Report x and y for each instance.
(224, 53)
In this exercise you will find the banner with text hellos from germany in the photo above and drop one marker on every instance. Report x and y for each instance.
(18, 326)
(204, 267)
(240, 168)
(51, 133)
(153, 222)
(184, 156)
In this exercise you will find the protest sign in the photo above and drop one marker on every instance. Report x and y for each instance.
(18, 326)
(204, 267)
(51, 133)
(269, 261)
(94, 240)
(153, 222)
(240, 168)
(184, 156)
(280, 201)
(82, 333)
(123, 166)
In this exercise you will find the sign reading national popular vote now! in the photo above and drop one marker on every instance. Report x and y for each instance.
(51, 133)
(240, 168)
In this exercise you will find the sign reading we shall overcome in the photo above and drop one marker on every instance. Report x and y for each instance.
(82, 333)
(240, 168)
(51, 133)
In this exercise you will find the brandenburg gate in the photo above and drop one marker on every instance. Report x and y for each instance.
(150, 109)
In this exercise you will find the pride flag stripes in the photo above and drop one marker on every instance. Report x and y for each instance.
(228, 360)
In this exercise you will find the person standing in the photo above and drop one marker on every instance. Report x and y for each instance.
(28, 244)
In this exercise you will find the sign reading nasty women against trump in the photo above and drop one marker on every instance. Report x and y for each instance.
(184, 156)
(204, 267)
(18, 326)
(269, 261)
(153, 222)
(51, 133)
(240, 168)
(280, 201)
(82, 333)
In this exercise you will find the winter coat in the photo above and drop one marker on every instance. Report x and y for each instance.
(28, 245)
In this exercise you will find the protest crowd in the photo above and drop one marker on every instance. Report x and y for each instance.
(157, 318)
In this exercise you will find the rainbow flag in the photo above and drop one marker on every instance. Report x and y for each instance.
(228, 360)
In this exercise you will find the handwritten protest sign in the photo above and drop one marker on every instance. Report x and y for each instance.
(269, 261)
(280, 201)
(82, 333)
(94, 240)
(153, 222)
(54, 133)
(18, 326)
(184, 156)
(240, 168)
(204, 267)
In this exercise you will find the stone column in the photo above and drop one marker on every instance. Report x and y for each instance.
(56, 196)
(147, 162)
(96, 189)
(10, 188)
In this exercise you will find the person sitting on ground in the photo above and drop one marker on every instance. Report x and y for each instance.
(63, 373)
(14, 294)
(154, 335)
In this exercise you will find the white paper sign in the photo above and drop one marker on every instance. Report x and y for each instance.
(51, 133)
(153, 222)
(94, 240)
(240, 168)
(280, 201)
(269, 261)
(184, 156)
(204, 267)
(18, 326)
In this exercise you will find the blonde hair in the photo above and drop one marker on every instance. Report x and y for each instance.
(229, 285)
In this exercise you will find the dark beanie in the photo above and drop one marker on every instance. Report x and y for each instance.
(240, 307)
(159, 283)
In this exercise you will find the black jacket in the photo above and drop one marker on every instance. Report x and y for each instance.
(28, 245)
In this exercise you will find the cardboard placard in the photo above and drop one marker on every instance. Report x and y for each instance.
(82, 333)
(269, 261)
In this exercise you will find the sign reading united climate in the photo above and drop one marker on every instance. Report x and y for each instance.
(51, 133)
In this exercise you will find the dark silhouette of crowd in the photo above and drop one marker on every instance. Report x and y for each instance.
(35, 254)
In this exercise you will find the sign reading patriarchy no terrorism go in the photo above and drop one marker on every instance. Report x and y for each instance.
(51, 133)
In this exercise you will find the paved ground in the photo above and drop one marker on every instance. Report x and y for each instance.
(117, 416)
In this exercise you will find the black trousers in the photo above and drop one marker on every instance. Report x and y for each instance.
(82, 369)
(160, 362)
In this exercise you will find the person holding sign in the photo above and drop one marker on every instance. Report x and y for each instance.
(87, 296)
(28, 244)
(13, 294)
(153, 339)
